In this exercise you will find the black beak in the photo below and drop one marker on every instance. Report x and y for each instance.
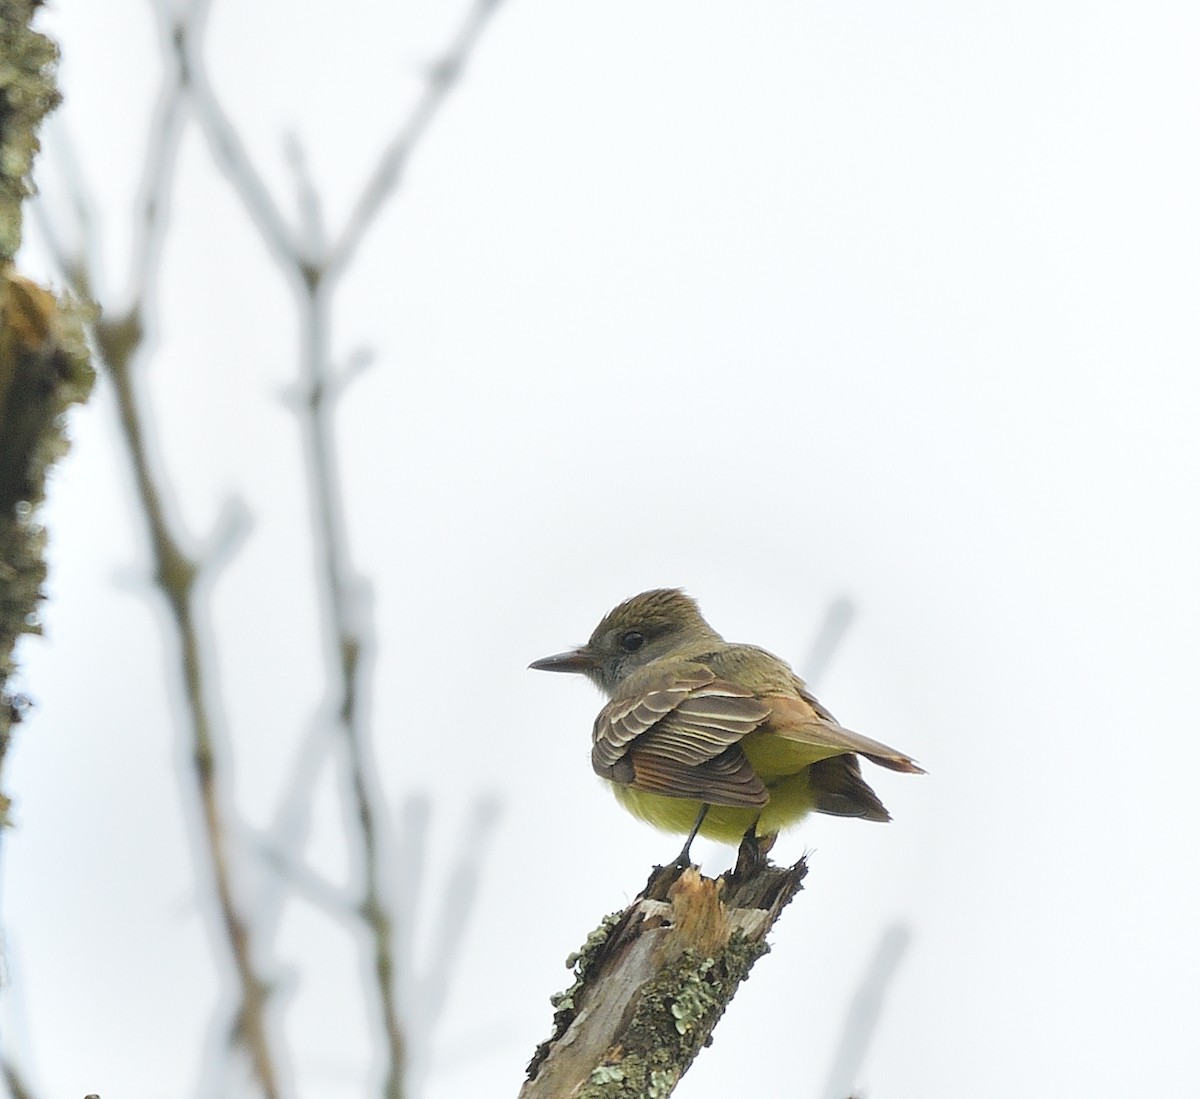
(575, 660)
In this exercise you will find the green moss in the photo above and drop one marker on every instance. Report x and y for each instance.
(694, 998)
(673, 1022)
(583, 960)
(27, 94)
(43, 356)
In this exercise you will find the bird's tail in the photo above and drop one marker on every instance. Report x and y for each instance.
(840, 790)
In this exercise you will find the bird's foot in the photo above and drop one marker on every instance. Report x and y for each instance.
(684, 859)
(752, 854)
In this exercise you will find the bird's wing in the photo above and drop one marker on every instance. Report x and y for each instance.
(795, 719)
(679, 737)
(727, 779)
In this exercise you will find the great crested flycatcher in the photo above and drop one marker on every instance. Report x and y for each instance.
(715, 738)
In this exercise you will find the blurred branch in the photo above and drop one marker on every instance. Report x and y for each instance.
(120, 341)
(432, 982)
(443, 76)
(14, 1081)
(83, 254)
(177, 576)
(290, 827)
(413, 846)
(229, 153)
(867, 1005)
(158, 177)
(862, 1017)
(312, 267)
(457, 899)
(311, 218)
(306, 882)
(838, 616)
(346, 607)
(313, 274)
(652, 982)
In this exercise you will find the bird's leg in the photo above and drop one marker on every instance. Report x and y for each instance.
(752, 852)
(684, 858)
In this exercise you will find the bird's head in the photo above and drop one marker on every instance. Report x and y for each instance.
(640, 630)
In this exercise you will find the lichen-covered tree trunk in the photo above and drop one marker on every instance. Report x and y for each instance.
(43, 356)
(652, 982)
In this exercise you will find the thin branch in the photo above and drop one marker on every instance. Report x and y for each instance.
(312, 268)
(864, 1012)
(344, 604)
(343, 591)
(18, 1088)
(454, 914)
(229, 533)
(347, 612)
(358, 362)
(289, 829)
(386, 177)
(457, 900)
(838, 616)
(229, 152)
(120, 341)
(415, 816)
(81, 204)
(313, 240)
(306, 882)
(69, 264)
(176, 577)
(158, 178)
(78, 260)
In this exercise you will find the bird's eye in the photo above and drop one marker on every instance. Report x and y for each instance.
(632, 641)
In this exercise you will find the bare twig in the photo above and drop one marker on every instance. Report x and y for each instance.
(312, 237)
(443, 75)
(862, 1017)
(229, 153)
(176, 576)
(838, 616)
(456, 904)
(432, 982)
(158, 177)
(80, 259)
(120, 342)
(306, 882)
(17, 1086)
(416, 813)
(347, 609)
(289, 829)
(344, 602)
(312, 267)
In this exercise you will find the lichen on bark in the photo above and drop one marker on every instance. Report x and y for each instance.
(44, 366)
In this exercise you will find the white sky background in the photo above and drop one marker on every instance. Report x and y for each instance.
(776, 301)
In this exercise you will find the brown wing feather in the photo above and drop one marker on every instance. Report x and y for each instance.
(704, 725)
(625, 719)
(795, 719)
(726, 779)
(680, 738)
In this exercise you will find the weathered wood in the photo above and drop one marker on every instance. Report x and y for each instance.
(652, 982)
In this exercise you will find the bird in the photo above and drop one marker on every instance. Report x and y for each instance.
(703, 736)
